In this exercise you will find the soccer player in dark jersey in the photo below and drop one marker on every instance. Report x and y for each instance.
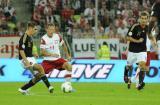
(155, 22)
(137, 36)
(29, 62)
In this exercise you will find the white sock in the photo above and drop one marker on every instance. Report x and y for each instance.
(137, 76)
(68, 76)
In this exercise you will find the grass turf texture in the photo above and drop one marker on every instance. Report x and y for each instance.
(86, 94)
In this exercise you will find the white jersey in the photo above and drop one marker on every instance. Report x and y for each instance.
(52, 45)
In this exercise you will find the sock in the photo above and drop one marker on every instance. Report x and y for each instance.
(130, 72)
(31, 83)
(45, 80)
(68, 76)
(126, 71)
(137, 76)
(141, 77)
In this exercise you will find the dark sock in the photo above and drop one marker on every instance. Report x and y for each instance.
(30, 83)
(45, 80)
(141, 77)
(126, 71)
(130, 73)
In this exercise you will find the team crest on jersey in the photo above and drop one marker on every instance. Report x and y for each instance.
(139, 33)
(130, 33)
(56, 41)
(23, 46)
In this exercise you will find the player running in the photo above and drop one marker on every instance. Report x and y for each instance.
(50, 49)
(29, 62)
(137, 36)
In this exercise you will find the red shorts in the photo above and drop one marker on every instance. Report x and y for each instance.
(50, 65)
(148, 59)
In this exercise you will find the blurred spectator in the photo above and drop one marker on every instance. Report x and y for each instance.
(48, 14)
(122, 32)
(89, 14)
(10, 13)
(104, 52)
(5, 3)
(100, 29)
(76, 5)
(67, 12)
(119, 20)
(76, 32)
(4, 26)
(82, 22)
(21, 28)
(110, 31)
(88, 31)
(40, 4)
(36, 17)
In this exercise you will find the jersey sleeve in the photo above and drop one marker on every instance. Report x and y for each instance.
(61, 41)
(43, 44)
(21, 45)
(131, 30)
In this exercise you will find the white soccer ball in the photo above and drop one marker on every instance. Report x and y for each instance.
(66, 87)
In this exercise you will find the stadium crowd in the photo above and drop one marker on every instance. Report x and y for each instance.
(8, 21)
(76, 17)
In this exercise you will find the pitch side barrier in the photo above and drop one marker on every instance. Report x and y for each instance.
(83, 71)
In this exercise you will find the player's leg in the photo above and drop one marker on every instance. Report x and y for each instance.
(31, 83)
(128, 69)
(142, 66)
(43, 77)
(147, 69)
(158, 50)
(38, 72)
(68, 74)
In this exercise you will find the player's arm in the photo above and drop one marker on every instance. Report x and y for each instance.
(22, 53)
(44, 52)
(68, 55)
(130, 39)
(131, 33)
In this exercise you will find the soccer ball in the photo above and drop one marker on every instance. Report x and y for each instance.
(66, 87)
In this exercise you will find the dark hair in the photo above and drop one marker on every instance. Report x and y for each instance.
(104, 43)
(144, 13)
(49, 25)
(31, 24)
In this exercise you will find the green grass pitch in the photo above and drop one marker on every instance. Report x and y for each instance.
(86, 94)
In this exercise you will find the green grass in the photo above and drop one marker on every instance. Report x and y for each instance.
(86, 94)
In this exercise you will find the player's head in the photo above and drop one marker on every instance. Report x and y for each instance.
(50, 29)
(31, 28)
(144, 18)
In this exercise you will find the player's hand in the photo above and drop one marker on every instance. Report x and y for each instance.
(140, 40)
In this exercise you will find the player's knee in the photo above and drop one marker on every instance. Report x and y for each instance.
(128, 67)
(67, 66)
(39, 68)
(143, 66)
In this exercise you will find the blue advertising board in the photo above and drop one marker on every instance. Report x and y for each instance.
(83, 71)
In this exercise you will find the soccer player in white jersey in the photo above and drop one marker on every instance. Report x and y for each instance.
(50, 49)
